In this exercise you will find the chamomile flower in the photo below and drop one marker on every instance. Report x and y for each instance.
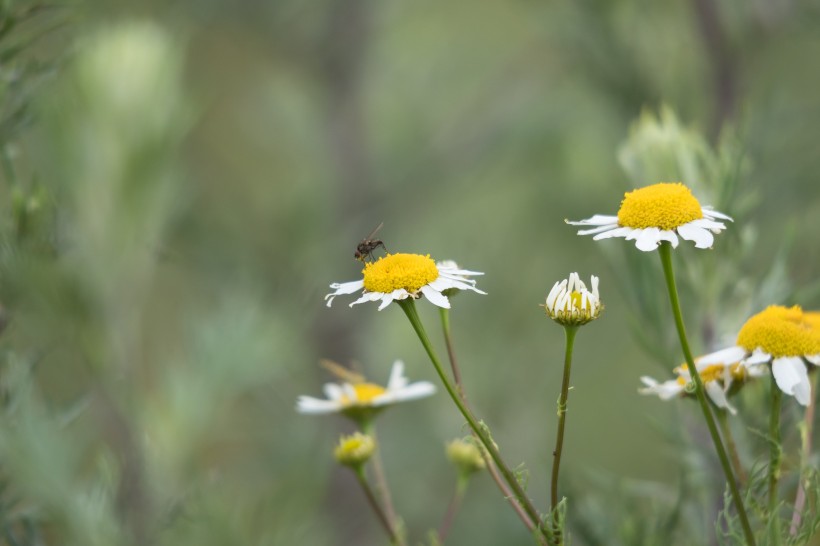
(360, 400)
(401, 276)
(656, 213)
(354, 450)
(570, 303)
(784, 339)
(719, 378)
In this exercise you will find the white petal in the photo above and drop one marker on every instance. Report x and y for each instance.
(368, 296)
(443, 283)
(703, 238)
(333, 391)
(598, 229)
(634, 234)
(310, 405)
(397, 379)
(715, 392)
(395, 295)
(419, 389)
(706, 223)
(620, 232)
(792, 378)
(451, 267)
(728, 356)
(814, 359)
(758, 357)
(709, 212)
(343, 288)
(669, 235)
(435, 297)
(665, 391)
(649, 239)
(597, 220)
(556, 292)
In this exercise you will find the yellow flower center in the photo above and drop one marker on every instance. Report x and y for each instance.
(665, 206)
(395, 271)
(709, 373)
(781, 331)
(365, 394)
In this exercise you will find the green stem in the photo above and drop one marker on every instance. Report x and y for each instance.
(374, 504)
(774, 461)
(409, 307)
(369, 428)
(569, 332)
(806, 435)
(728, 437)
(491, 468)
(445, 325)
(665, 252)
(452, 508)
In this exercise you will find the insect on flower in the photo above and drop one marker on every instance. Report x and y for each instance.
(368, 245)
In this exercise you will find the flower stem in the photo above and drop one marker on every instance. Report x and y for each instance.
(451, 354)
(665, 252)
(491, 468)
(374, 504)
(369, 428)
(806, 436)
(569, 332)
(409, 307)
(774, 462)
(452, 508)
(728, 437)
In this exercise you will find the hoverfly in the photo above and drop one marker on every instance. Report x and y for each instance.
(345, 374)
(368, 245)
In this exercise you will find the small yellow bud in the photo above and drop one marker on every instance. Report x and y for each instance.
(466, 455)
(355, 450)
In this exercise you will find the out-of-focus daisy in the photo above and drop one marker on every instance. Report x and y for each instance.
(359, 399)
(782, 338)
(660, 212)
(719, 380)
(401, 276)
(354, 450)
(571, 304)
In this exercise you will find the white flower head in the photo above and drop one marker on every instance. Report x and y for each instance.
(721, 374)
(656, 213)
(784, 339)
(570, 303)
(360, 399)
(397, 277)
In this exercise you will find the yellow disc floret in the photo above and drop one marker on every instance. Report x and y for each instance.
(395, 271)
(664, 206)
(781, 331)
(365, 394)
(714, 372)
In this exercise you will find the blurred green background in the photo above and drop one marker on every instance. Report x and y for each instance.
(182, 181)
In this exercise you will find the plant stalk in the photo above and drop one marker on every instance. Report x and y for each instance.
(665, 251)
(774, 462)
(374, 504)
(491, 468)
(569, 334)
(409, 307)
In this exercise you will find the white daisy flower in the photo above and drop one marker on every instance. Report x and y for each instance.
(656, 213)
(362, 399)
(401, 276)
(719, 376)
(784, 339)
(571, 304)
